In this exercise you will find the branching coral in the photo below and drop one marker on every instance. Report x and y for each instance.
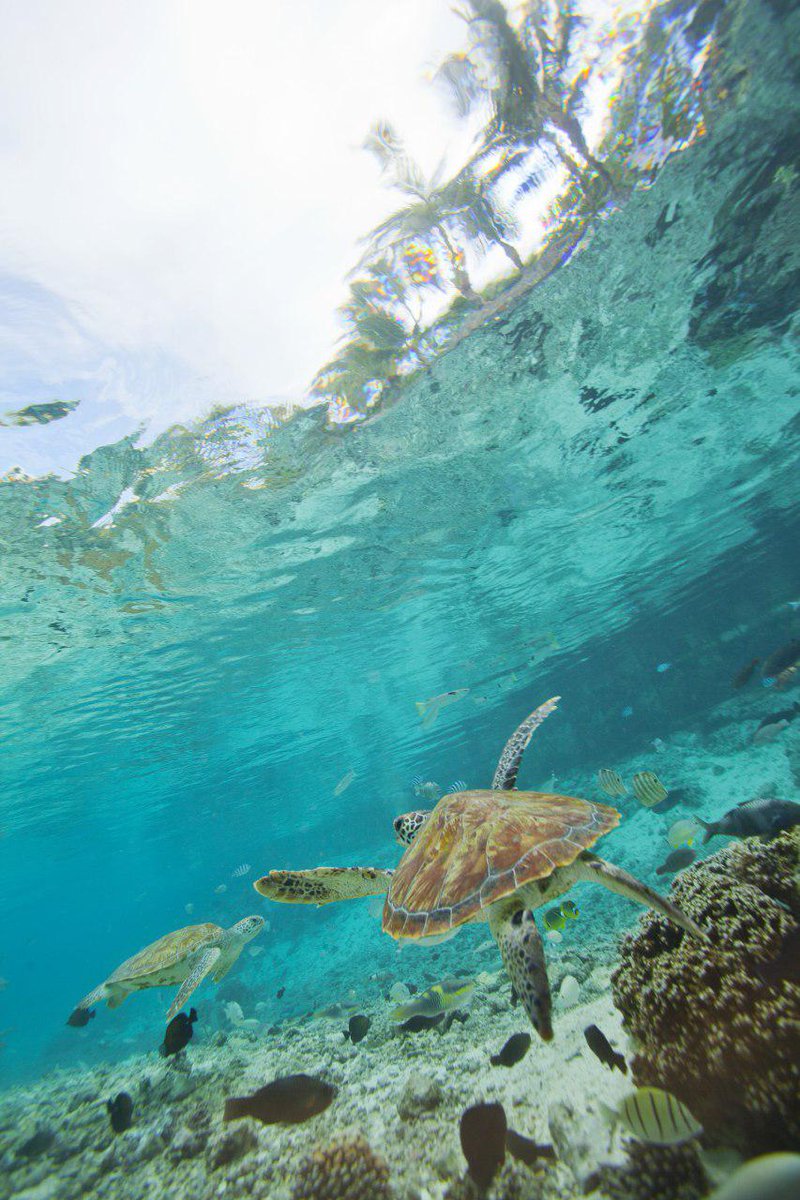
(656, 1173)
(345, 1169)
(708, 1025)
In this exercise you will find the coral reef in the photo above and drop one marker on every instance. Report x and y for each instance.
(656, 1173)
(708, 1025)
(345, 1169)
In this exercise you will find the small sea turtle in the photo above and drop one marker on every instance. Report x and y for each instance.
(185, 956)
(486, 855)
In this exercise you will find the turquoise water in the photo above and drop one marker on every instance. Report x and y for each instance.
(600, 480)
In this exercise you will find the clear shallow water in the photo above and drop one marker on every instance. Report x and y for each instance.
(600, 480)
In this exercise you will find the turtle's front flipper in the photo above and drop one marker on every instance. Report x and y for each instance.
(589, 868)
(323, 885)
(204, 965)
(522, 951)
(505, 777)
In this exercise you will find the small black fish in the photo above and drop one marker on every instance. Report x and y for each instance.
(513, 1052)
(781, 660)
(676, 861)
(785, 966)
(786, 714)
(280, 993)
(40, 1143)
(178, 1033)
(745, 674)
(599, 1044)
(80, 1017)
(419, 1023)
(286, 1101)
(526, 1150)
(483, 1131)
(357, 1028)
(764, 816)
(120, 1110)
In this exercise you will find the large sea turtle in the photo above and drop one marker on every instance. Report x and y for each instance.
(490, 855)
(185, 956)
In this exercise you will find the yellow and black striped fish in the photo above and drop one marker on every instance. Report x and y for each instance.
(648, 789)
(610, 782)
(442, 997)
(657, 1117)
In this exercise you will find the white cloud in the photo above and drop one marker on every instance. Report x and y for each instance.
(186, 177)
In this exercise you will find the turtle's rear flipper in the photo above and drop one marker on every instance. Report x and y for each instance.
(522, 951)
(589, 868)
(323, 885)
(204, 965)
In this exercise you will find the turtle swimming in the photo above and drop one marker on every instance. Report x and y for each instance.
(492, 855)
(185, 956)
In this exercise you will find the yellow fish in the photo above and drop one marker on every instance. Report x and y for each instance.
(683, 832)
(648, 789)
(655, 1116)
(610, 782)
(430, 709)
(441, 997)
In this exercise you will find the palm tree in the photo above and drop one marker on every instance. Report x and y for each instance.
(521, 74)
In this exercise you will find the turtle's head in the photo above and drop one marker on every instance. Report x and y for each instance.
(408, 825)
(248, 928)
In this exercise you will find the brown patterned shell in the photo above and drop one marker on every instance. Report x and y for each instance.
(478, 847)
(169, 951)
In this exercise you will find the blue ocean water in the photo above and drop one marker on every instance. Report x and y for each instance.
(593, 495)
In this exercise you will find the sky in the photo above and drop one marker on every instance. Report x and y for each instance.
(183, 192)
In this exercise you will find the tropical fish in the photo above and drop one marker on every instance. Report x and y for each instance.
(610, 782)
(427, 790)
(599, 1045)
(648, 789)
(662, 667)
(458, 785)
(676, 861)
(768, 733)
(357, 1028)
(483, 1130)
(786, 714)
(745, 674)
(683, 832)
(513, 1051)
(120, 1111)
(785, 966)
(344, 783)
(241, 871)
(429, 709)
(655, 1116)
(526, 1150)
(781, 660)
(441, 997)
(80, 1017)
(287, 1101)
(787, 678)
(178, 1033)
(627, 711)
(220, 889)
(281, 992)
(764, 816)
(334, 1011)
(768, 1177)
(557, 917)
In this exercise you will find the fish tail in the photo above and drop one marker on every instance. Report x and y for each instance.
(235, 1108)
(619, 1061)
(709, 829)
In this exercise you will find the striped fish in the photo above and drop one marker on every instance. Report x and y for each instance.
(610, 782)
(240, 871)
(648, 789)
(657, 1117)
(441, 997)
(458, 785)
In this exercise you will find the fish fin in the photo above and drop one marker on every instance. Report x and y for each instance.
(420, 706)
(204, 966)
(709, 829)
(618, 1061)
(522, 951)
(588, 867)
